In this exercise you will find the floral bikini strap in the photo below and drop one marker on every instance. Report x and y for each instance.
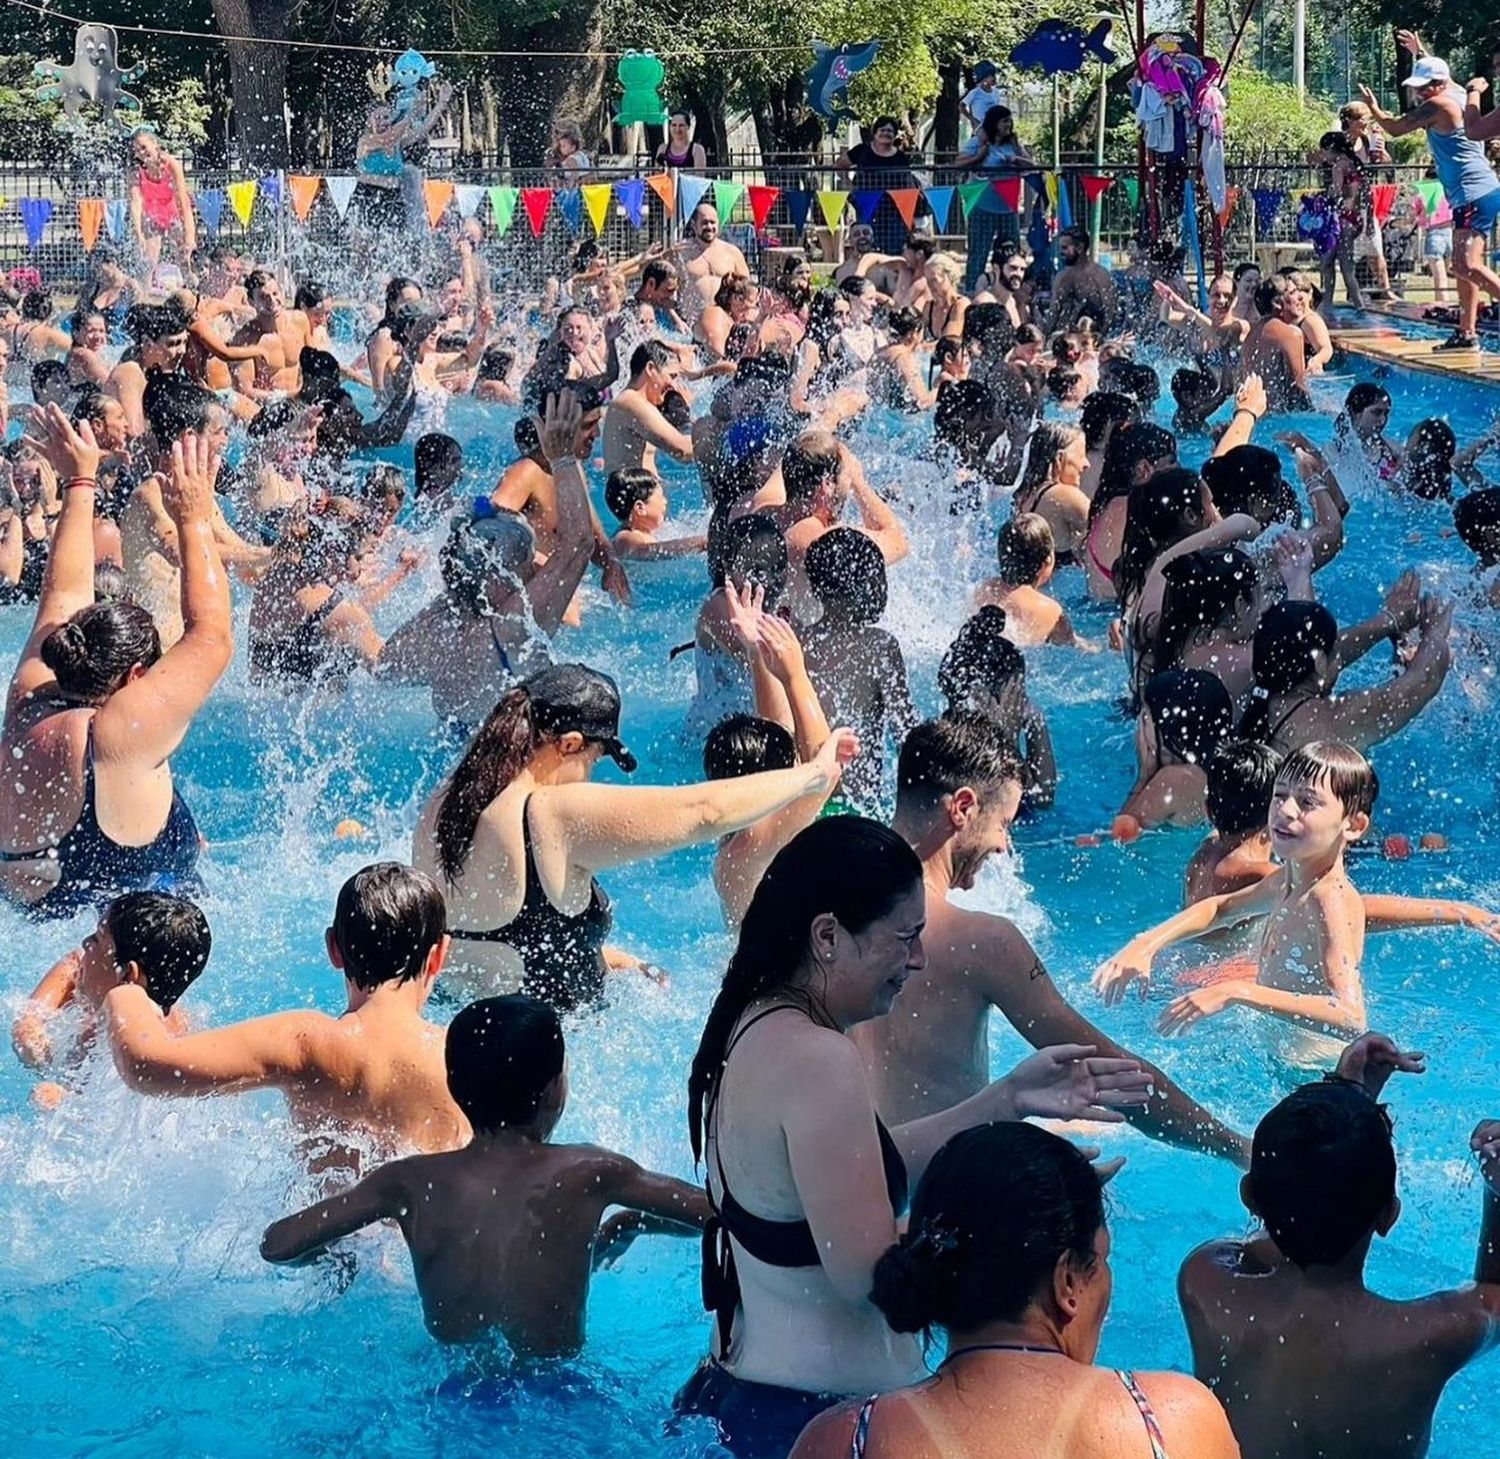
(862, 1428)
(1148, 1414)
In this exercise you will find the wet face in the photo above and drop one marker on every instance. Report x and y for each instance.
(861, 239)
(98, 970)
(588, 427)
(860, 974)
(666, 291)
(742, 306)
(4, 356)
(705, 224)
(111, 426)
(651, 513)
(267, 299)
(1293, 306)
(1372, 420)
(985, 833)
(1249, 282)
(576, 331)
(1013, 272)
(95, 333)
(660, 379)
(1220, 295)
(1308, 822)
(1069, 251)
(145, 149)
(451, 300)
(170, 348)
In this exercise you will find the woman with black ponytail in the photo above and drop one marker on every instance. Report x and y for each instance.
(1007, 1256)
(805, 1180)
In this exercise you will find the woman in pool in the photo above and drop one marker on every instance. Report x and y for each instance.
(382, 353)
(1007, 1256)
(806, 1183)
(1361, 424)
(90, 334)
(95, 708)
(735, 303)
(518, 833)
(896, 377)
(161, 209)
(1186, 714)
(1052, 486)
(943, 314)
(1132, 455)
(111, 291)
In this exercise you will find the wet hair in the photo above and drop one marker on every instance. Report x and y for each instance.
(676, 411)
(1322, 1171)
(1192, 712)
(964, 409)
(989, 326)
(921, 245)
(808, 463)
(1241, 269)
(110, 584)
(49, 378)
(166, 937)
(281, 415)
(1241, 781)
(398, 285)
(823, 320)
(1336, 142)
(657, 272)
(496, 363)
(1363, 395)
(1343, 769)
(36, 305)
(146, 323)
(995, 1211)
(1103, 408)
(1476, 518)
(524, 434)
(92, 652)
(1200, 589)
(903, 323)
(1129, 448)
(387, 919)
(256, 280)
(501, 1056)
(438, 460)
(1428, 468)
(750, 549)
(1164, 509)
(79, 321)
(746, 744)
(1195, 391)
(1289, 639)
(846, 572)
(1024, 548)
(174, 405)
(627, 489)
(1270, 292)
(1247, 479)
(1062, 381)
(309, 295)
(383, 479)
(980, 657)
(411, 322)
(941, 756)
(853, 869)
(734, 288)
(1139, 382)
(651, 352)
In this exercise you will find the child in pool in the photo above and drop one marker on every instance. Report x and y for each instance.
(1027, 559)
(156, 942)
(1304, 1356)
(1241, 780)
(1476, 517)
(638, 502)
(504, 1232)
(1308, 971)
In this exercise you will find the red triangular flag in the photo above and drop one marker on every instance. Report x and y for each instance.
(905, 199)
(1095, 187)
(538, 203)
(1231, 202)
(1382, 200)
(1008, 190)
(762, 200)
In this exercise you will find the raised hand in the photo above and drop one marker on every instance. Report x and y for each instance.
(188, 491)
(1251, 396)
(1404, 598)
(1372, 1058)
(1111, 978)
(72, 452)
(841, 746)
(779, 649)
(1068, 1082)
(745, 606)
(557, 426)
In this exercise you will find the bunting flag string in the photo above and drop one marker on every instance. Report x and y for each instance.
(1132, 186)
(664, 185)
(570, 205)
(270, 187)
(538, 203)
(1008, 190)
(596, 200)
(1431, 193)
(798, 206)
(1038, 184)
(436, 194)
(116, 218)
(1064, 202)
(341, 190)
(905, 200)
(970, 195)
(304, 191)
(727, 197)
(90, 220)
(210, 208)
(503, 207)
(1383, 200)
(632, 197)
(865, 201)
(690, 191)
(940, 200)
(762, 200)
(468, 196)
(1095, 186)
(1267, 205)
(36, 213)
(242, 200)
(831, 203)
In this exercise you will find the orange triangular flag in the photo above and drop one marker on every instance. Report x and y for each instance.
(438, 196)
(664, 185)
(304, 190)
(90, 220)
(905, 199)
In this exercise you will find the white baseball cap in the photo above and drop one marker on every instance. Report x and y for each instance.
(1428, 71)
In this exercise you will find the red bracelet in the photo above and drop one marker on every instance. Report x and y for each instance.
(73, 481)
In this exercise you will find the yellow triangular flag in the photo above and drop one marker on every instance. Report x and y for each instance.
(1049, 181)
(242, 200)
(832, 204)
(304, 190)
(596, 197)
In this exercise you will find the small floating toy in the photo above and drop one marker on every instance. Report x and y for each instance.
(828, 80)
(1397, 847)
(1056, 46)
(1433, 841)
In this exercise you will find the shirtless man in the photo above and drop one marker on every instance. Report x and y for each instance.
(160, 333)
(1306, 1359)
(283, 333)
(634, 427)
(656, 298)
(706, 261)
(1276, 348)
(860, 259)
(373, 1073)
(1082, 287)
(958, 790)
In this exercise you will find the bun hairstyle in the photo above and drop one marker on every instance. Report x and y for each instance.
(998, 1207)
(98, 646)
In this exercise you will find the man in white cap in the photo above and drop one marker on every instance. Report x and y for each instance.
(1469, 183)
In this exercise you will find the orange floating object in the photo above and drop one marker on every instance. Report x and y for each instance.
(349, 830)
(1433, 841)
(1126, 829)
(1088, 839)
(1397, 848)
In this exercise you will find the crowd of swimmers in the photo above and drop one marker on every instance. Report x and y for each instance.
(868, 1180)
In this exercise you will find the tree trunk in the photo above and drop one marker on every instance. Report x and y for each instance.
(945, 124)
(536, 90)
(257, 76)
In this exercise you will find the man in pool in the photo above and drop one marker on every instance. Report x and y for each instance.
(958, 790)
(706, 260)
(504, 1232)
(280, 332)
(371, 1076)
(1083, 288)
(634, 427)
(1304, 1356)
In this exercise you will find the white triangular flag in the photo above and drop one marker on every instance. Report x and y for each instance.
(341, 189)
(468, 198)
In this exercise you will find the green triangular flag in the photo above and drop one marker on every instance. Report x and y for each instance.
(503, 207)
(726, 198)
(970, 193)
(1430, 192)
(1132, 186)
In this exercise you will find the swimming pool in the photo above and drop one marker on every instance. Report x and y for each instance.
(136, 1317)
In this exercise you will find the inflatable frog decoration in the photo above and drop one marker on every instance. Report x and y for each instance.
(641, 74)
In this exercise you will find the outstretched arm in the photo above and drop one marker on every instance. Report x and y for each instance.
(380, 1195)
(29, 1033)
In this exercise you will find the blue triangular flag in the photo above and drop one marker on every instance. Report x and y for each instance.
(570, 205)
(1064, 202)
(632, 196)
(798, 206)
(210, 208)
(1190, 237)
(940, 200)
(270, 187)
(1036, 184)
(1039, 232)
(690, 190)
(36, 213)
(116, 218)
(865, 202)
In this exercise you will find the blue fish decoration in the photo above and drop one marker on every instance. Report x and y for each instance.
(828, 80)
(1056, 46)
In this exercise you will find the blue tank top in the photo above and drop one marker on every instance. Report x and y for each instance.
(1461, 167)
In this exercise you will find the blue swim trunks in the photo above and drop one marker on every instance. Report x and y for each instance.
(1480, 215)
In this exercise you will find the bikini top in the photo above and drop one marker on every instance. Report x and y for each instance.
(306, 653)
(563, 953)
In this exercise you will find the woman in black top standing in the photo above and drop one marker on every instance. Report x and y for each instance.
(879, 164)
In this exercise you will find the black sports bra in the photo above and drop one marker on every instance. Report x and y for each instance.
(563, 955)
(776, 1243)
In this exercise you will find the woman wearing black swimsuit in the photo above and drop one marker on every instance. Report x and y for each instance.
(518, 833)
(88, 809)
(806, 1181)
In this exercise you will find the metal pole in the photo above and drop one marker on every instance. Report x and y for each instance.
(1098, 218)
(1299, 49)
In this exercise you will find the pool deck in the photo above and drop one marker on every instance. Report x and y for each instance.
(1391, 347)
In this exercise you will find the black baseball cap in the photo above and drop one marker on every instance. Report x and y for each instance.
(573, 698)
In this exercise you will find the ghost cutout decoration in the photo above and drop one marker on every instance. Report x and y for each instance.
(94, 79)
(641, 74)
(410, 70)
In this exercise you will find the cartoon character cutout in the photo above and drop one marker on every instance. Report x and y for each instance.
(641, 74)
(410, 70)
(94, 79)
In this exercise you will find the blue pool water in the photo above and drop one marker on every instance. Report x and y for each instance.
(136, 1317)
